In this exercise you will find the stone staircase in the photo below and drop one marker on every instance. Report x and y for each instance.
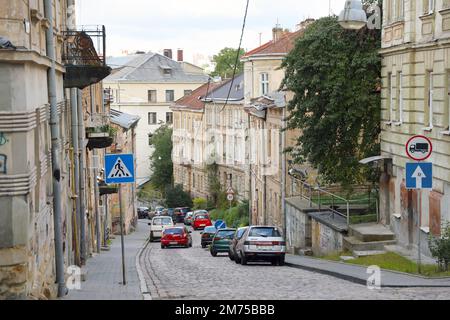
(368, 239)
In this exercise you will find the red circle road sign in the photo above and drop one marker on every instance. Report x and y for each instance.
(419, 148)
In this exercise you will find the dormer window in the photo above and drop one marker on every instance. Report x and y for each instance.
(167, 71)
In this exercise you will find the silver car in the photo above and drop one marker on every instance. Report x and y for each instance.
(261, 243)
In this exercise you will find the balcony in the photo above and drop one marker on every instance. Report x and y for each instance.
(99, 132)
(84, 57)
(105, 189)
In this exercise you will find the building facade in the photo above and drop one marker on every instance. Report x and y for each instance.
(415, 101)
(146, 87)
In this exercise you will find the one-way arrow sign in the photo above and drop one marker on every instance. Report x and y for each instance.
(419, 175)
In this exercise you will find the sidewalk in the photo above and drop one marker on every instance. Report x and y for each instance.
(104, 272)
(358, 274)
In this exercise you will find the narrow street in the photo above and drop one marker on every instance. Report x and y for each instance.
(193, 274)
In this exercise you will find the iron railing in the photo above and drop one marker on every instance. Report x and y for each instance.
(85, 45)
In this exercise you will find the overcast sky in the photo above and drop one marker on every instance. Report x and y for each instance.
(197, 26)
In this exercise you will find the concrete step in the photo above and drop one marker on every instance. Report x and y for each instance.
(354, 244)
(371, 232)
(359, 254)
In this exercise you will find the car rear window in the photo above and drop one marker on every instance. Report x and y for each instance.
(264, 232)
(174, 231)
(202, 217)
(162, 222)
(227, 234)
(210, 230)
(240, 233)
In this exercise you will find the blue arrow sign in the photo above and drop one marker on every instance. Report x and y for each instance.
(119, 168)
(419, 175)
(220, 224)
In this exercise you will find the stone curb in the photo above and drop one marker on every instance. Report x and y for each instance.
(358, 280)
(142, 284)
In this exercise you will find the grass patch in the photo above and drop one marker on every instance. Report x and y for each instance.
(392, 261)
(363, 219)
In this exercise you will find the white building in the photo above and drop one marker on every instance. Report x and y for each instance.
(147, 86)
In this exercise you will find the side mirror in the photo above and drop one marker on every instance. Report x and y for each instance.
(150, 224)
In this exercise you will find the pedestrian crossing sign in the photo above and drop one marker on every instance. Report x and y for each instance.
(119, 168)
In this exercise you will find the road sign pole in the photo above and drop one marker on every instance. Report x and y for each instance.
(419, 203)
(124, 280)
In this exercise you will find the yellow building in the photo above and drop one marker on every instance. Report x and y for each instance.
(415, 101)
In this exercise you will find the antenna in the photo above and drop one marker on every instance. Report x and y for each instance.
(260, 39)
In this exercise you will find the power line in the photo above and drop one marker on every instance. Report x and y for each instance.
(237, 56)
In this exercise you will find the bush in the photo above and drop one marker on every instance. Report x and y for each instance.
(177, 197)
(200, 204)
(440, 247)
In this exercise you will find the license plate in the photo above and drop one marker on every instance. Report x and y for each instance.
(264, 248)
(174, 243)
(203, 225)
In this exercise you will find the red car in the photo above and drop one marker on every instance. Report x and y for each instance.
(201, 221)
(179, 237)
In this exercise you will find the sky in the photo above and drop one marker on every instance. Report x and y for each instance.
(199, 27)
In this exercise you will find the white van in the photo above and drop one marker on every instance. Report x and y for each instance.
(158, 225)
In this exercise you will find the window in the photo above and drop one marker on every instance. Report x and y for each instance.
(390, 97)
(428, 6)
(264, 83)
(429, 101)
(400, 102)
(170, 96)
(396, 10)
(447, 103)
(187, 92)
(152, 96)
(152, 118)
(169, 117)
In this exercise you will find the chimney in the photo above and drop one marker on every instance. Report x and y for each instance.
(168, 53)
(180, 55)
(304, 24)
(277, 33)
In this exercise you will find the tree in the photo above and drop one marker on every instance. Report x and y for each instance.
(335, 76)
(225, 62)
(161, 160)
(176, 197)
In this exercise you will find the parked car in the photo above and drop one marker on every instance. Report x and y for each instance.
(143, 212)
(180, 213)
(201, 221)
(177, 236)
(158, 225)
(188, 218)
(221, 241)
(261, 243)
(207, 236)
(237, 236)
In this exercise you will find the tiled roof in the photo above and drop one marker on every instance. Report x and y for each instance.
(281, 46)
(150, 67)
(194, 100)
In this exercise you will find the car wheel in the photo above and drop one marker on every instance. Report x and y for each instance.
(163, 247)
(243, 259)
(213, 253)
(282, 261)
(203, 246)
(151, 237)
(231, 256)
(274, 261)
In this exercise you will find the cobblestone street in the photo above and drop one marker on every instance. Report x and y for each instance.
(195, 274)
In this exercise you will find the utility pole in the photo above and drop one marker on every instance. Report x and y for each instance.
(122, 240)
(82, 162)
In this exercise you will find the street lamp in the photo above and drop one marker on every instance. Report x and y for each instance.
(353, 16)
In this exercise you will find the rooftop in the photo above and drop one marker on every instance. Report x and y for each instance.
(220, 94)
(124, 120)
(194, 100)
(279, 47)
(152, 67)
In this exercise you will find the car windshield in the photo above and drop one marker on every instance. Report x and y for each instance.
(162, 222)
(227, 234)
(210, 230)
(240, 233)
(174, 231)
(264, 232)
(202, 217)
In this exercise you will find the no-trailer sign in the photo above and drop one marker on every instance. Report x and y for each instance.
(419, 148)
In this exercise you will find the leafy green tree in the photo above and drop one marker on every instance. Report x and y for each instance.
(176, 197)
(161, 159)
(335, 76)
(225, 62)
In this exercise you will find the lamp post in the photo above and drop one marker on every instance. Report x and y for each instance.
(353, 16)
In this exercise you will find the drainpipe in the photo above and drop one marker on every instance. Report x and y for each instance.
(283, 173)
(76, 150)
(56, 144)
(250, 193)
(82, 163)
(95, 153)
